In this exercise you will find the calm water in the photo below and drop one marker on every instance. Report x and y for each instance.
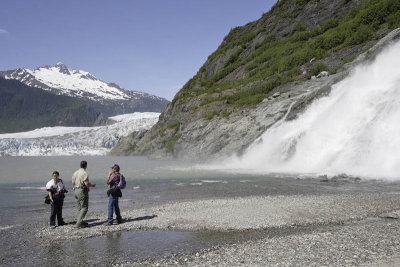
(32, 171)
(22, 211)
(22, 182)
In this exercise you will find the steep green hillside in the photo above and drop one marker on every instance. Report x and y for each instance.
(25, 108)
(266, 59)
(286, 47)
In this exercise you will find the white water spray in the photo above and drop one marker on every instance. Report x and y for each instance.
(355, 130)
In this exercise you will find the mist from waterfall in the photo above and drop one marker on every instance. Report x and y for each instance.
(355, 130)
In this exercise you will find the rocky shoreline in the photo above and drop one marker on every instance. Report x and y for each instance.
(297, 230)
(237, 214)
(370, 242)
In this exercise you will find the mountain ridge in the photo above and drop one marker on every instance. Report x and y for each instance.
(25, 108)
(109, 97)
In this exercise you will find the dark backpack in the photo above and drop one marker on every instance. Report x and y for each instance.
(122, 182)
(47, 199)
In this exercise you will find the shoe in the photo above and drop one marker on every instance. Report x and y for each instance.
(81, 225)
(120, 221)
(61, 223)
(53, 227)
(107, 224)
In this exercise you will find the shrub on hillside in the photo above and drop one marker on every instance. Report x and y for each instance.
(316, 69)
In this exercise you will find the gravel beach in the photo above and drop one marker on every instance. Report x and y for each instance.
(297, 230)
(371, 243)
(237, 214)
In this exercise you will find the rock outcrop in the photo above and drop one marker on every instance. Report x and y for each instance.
(224, 108)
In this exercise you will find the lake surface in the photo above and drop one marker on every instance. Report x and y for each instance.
(22, 181)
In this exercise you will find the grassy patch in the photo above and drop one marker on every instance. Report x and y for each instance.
(169, 146)
(162, 132)
(225, 114)
(316, 69)
(211, 115)
(174, 126)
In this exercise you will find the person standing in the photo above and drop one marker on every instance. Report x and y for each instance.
(114, 193)
(80, 181)
(56, 194)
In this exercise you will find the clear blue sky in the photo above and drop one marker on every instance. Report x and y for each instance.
(151, 46)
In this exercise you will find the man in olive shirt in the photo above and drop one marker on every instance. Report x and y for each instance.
(80, 181)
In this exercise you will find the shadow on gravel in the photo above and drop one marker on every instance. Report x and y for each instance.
(93, 222)
(141, 218)
(97, 222)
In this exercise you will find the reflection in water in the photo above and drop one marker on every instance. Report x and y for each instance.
(117, 246)
(104, 250)
(113, 247)
(132, 246)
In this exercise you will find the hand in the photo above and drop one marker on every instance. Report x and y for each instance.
(93, 185)
(51, 201)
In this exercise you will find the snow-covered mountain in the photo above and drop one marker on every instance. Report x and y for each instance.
(61, 80)
(54, 141)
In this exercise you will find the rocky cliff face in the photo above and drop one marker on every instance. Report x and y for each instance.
(264, 72)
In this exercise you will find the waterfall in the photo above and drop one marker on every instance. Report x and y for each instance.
(354, 130)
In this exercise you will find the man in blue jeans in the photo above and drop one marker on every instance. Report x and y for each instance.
(113, 193)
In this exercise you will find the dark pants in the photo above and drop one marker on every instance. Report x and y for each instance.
(56, 210)
(113, 205)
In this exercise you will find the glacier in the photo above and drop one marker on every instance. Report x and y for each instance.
(68, 141)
